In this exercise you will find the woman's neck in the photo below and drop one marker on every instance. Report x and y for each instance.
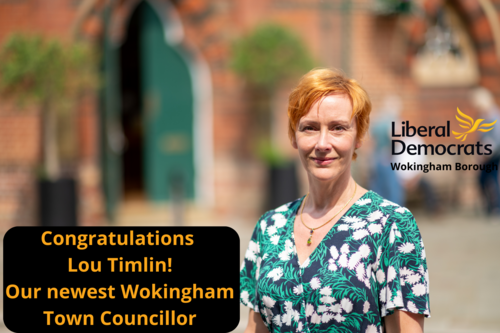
(324, 196)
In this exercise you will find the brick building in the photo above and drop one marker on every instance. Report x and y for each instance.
(192, 39)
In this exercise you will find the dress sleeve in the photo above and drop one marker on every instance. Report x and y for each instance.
(250, 270)
(401, 267)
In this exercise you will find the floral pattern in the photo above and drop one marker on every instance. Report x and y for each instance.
(371, 262)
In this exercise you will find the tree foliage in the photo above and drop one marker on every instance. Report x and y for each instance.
(39, 71)
(269, 55)
(51, 75)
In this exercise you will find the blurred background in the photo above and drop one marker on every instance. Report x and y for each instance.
(174, 112)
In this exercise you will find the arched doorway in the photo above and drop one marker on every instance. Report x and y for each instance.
(152, 95)
(157, 111)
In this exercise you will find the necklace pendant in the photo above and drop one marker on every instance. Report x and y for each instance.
(310, 238)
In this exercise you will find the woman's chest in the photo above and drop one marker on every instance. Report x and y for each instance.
(339, 260)
(336, 283)
(306, 239)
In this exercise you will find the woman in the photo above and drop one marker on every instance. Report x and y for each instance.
(340, 259)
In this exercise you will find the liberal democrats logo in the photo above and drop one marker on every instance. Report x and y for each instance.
(471, 126)
(401, 146)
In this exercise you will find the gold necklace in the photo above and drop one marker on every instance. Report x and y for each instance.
(312, 229)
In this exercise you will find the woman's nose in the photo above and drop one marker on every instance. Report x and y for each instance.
(322, 144)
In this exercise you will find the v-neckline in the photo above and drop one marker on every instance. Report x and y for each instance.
(294, 216)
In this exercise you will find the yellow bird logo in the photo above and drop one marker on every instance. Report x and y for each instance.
(471, 125)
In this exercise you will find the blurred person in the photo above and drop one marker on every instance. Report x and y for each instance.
(341, 258)
(383, 178)
(483, 101)
(413, 180)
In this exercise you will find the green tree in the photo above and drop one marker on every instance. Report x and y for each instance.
(53, 76)
(268, 56)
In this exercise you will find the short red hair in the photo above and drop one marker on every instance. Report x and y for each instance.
(321, 82)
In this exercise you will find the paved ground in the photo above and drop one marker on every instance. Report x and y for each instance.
(463, 254)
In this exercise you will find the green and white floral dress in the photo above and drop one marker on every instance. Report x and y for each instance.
(371, 262)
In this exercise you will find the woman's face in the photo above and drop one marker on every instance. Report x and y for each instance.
(326, 138)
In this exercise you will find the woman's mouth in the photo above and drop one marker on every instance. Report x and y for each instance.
(323, 160)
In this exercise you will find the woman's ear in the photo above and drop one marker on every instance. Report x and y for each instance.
(294, 141)
(359, 143)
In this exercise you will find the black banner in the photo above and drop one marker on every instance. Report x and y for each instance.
(121, 279)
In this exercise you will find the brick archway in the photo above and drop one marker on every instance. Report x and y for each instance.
(479, 28)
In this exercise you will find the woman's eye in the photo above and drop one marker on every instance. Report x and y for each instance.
(308, 128)
(338, 128)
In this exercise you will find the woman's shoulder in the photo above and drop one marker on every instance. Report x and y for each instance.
(376, 202)
(374, 208)
(398, 222)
